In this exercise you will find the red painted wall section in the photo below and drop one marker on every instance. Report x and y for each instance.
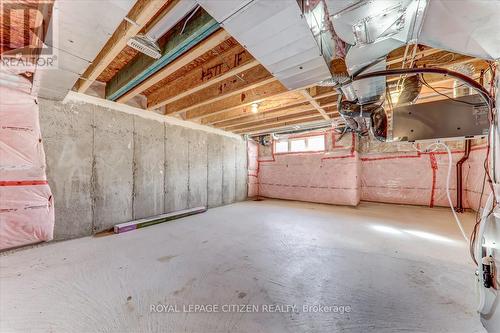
(343, 176)
(26, 203)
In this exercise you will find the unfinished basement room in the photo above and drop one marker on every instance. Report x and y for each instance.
(220, 166)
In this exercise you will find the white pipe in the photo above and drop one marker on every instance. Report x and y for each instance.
(448, 181)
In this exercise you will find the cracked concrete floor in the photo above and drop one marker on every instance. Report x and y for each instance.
(392, 268)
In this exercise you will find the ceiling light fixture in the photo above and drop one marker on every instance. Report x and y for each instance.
(254, 108)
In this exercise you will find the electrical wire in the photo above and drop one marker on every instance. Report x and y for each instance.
(440, 93)
(491, 116)
(448, 181)
(487, 96)
(472, 240)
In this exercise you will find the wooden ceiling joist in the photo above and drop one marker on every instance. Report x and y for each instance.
(327, 95)
(267, 128)
(141, 13)
(250, 79)
(277, 102)
(314, 103)
(249, 96)
(204, 46)
(304, 117)
(288, 117)
(263, 117)
(397, 56)
(178, 41)
(232, 62)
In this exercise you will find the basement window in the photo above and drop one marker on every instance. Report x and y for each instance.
(316, 143)
(281, 146)
(297, 145)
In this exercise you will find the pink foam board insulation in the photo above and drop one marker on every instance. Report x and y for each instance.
(26, 203)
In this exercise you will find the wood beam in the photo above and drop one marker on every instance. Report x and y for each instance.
(224, 119)
(262, 117)
(250, 79)
(249, 96)
(315, 104)
(206, 45)
(397, 55)
(281, 101)
(232, 62)
(141, 13)
(173, 45)
(438, 59)
(274, 126)
(317, 121)
(277, 120)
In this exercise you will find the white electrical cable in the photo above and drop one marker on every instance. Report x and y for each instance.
(448, 180)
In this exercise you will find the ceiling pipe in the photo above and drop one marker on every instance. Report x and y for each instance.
(460, 207)
(464, 78)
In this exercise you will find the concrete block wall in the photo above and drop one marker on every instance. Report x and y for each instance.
(107, 166)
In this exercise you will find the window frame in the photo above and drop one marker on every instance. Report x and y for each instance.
(306, 142)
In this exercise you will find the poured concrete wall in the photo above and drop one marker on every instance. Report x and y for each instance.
(106, 166)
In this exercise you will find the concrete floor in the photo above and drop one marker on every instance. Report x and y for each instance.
(398, 268)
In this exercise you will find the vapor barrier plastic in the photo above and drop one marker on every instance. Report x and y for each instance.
(343, 176)
(26, 203)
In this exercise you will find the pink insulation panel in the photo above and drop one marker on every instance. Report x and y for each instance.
(409, 178)
(26, 203)
(342, 176)
(474, 174)
(332, 178)
(253, 168)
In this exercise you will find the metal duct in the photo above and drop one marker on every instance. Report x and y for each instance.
(276, 34)
(374, 28)
(81, 29)
(410, 89)
(463, 26)
(460, 89)
(173, 16)
(147, 43)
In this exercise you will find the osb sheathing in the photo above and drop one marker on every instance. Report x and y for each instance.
(219, 49)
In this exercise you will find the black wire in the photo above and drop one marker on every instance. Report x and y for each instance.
(481, 196)
(451, 98)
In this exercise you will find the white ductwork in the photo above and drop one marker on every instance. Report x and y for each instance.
(463, 26)
(276, 34)
(374, 28)
(147, 43)
(79, 29)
